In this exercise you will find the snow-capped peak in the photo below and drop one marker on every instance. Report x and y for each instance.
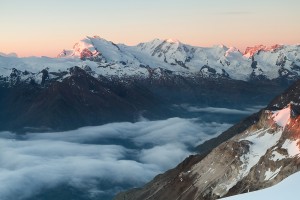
(91, 48)
(96, 37)
(171, 40)
(151, 45)
(250, 51)
(221, 46)
(232, 50)
(82, 49)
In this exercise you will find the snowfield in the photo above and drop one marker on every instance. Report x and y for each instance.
(286, 189)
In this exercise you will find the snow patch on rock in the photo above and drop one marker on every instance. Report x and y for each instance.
(269, 175)
(277, 156)
(292, 147)
(261, 141)
(282, 117)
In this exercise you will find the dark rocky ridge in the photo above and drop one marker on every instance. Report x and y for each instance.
(83, 100)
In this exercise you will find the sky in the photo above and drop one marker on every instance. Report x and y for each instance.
(45, 27)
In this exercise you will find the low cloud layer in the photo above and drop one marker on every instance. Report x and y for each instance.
(117, 153)
(246, 111)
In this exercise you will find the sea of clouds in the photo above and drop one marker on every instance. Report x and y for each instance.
(117, 153)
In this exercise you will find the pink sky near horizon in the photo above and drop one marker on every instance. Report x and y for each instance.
(44, 28)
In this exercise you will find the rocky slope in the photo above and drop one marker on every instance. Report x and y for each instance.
(265, 153)
(90, 83)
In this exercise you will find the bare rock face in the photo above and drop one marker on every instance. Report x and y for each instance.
(258, 157)
(86, 54)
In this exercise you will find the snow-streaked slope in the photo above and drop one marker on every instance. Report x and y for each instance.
(287, 189)
(268, 153)
(254, 145)
(260, 141)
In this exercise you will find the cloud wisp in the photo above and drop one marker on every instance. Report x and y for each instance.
(246, 111)
(120, 154)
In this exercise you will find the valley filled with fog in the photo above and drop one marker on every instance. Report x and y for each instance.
(97, 162)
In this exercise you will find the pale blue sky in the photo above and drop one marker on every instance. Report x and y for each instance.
(44, 27)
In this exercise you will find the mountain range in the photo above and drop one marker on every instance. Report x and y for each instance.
(96, 79)
(154, 58)
(219, 61)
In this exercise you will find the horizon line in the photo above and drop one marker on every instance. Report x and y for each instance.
(242, 50)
